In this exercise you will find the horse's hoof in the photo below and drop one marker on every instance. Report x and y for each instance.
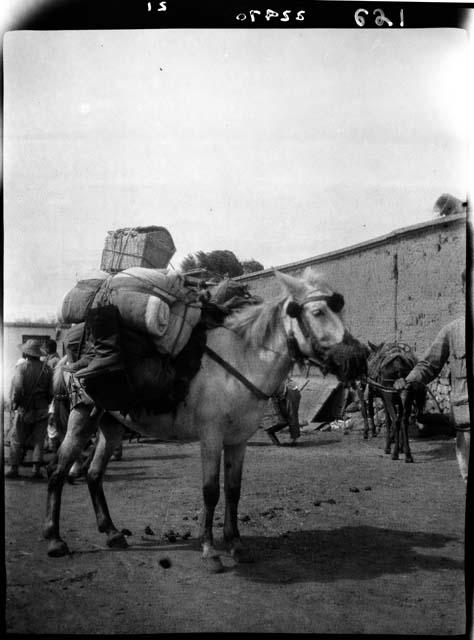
(213, 564)
(242, 556)
(395, 457)
(410, 459)
(366, 437)
(387, 451)
(57, 549)
(374, 435)
(117, 540)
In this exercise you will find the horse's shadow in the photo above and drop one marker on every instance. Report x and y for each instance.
(445, 451)
(326, 555)
(347, 553)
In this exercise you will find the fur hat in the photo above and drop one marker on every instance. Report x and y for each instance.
(32, 348)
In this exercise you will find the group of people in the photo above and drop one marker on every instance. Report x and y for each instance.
(31, 398)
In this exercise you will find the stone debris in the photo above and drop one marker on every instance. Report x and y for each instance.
(165, 563)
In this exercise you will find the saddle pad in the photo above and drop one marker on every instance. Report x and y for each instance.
(386, 354)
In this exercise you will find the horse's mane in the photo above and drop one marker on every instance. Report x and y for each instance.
(256, 323)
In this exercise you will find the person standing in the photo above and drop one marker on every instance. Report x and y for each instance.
(32, 392)
(286, 402)
(448, 346)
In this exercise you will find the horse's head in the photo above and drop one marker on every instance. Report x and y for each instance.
(312, 312)
(389, 361)
(313, 315)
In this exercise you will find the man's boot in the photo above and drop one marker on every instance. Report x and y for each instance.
(104, 324)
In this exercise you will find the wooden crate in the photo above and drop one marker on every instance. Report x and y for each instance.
(150, 247)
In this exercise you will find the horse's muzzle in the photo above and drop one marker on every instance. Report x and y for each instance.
(348, 359)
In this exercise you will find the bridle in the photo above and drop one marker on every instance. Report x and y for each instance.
(335, 302)
(294, 309)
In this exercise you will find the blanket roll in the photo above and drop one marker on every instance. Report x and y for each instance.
(158, 303)
(78, 300)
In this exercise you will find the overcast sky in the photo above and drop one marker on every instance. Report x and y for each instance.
(275, 144)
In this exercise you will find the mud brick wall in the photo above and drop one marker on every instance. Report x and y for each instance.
(403, 286)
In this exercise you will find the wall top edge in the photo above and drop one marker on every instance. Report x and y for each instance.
(31, 324)
(367, 244)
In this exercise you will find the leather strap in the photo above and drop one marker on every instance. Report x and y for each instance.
(228, 367)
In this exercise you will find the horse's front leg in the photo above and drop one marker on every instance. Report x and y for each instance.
(211, 464)
(80, 429)
(390, 421)
(370, 413)
(233, 464)
(110, 435)
(407, 402)
(393, 428)
(363, 408)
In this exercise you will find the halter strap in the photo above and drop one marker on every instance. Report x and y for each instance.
(255, 390)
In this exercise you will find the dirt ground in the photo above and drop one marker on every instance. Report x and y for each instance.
(346, 541)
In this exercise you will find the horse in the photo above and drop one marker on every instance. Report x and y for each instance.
(246, 358)
(386, 363)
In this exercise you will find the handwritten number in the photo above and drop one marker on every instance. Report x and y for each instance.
(359, 18)
(162, 6)
(380, 19)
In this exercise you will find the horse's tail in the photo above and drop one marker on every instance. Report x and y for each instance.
(61, 405)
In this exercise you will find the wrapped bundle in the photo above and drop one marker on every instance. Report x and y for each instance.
(157, 303)
(79, 299)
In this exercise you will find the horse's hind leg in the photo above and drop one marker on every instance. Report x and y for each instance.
(211, 462)
(80, 428)
(110, 434)
(233, 463)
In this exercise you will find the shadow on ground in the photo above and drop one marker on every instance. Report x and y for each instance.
(347, 553)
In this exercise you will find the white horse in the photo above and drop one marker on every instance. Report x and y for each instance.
(244, 363)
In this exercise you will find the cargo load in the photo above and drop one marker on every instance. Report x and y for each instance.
(152, 301)
(156, 302)
(150, 247)
(79, 299)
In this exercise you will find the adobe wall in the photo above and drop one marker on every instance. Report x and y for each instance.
(403, 286)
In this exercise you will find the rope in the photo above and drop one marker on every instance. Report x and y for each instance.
(121, 253)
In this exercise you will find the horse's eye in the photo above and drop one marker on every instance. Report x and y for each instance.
(317, 312)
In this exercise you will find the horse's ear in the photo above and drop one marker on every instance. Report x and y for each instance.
(292, 286)
(373, 346)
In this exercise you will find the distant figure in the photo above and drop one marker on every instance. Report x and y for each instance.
(51, 358)
(449, 345)
(32, 392)
(54, 437)
(286, 403)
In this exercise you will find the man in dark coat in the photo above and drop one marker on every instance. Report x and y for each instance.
(32, 392)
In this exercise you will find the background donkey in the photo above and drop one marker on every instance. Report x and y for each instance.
(386, 363)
